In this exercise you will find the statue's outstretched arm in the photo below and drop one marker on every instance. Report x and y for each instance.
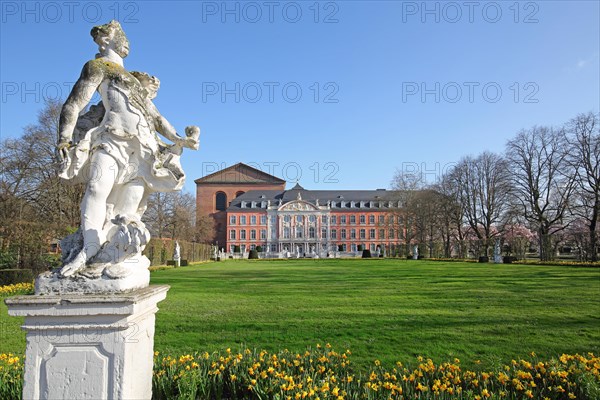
(80, 96)
(165, 128)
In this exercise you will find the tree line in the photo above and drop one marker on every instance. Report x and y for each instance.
(37, 208)
(544, 189)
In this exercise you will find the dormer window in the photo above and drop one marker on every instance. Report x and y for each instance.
(243, 204)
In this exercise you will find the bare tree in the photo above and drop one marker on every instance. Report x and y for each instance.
(405, 189)
(35, 205)
(481, 186)
(451, 216)
(584, 160)
(541, 181)
(171, 215)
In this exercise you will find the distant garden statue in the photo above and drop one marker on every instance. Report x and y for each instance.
(115, 151)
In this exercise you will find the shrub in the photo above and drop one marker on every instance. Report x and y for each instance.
(259, 249)
(8, 259)
(12, 276)
(340, 247)
(253, 254)
(366, 254)
(484, 259)
(236, 249)
(360, 247)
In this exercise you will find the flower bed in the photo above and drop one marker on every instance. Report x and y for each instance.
(16, 289)
(322, 373)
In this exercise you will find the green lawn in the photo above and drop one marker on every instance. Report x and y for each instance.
(379, 309)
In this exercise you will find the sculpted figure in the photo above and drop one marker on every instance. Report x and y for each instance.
(117, 153)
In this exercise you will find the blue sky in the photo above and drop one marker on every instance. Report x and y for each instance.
(337, 95)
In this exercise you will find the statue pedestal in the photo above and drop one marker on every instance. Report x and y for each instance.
(90, 346)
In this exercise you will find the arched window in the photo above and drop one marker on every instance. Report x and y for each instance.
(221, 201)
(238, 194)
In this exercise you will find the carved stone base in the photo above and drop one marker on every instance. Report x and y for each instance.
(98, 278)
(89, 346)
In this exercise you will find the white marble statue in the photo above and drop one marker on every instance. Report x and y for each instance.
(177, 254)
(115, 150)
(415, 252)
(497, 252)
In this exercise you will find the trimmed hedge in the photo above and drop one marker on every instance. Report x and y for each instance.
(12, 276)
(366, 254)
(253, 255)
(159, 251)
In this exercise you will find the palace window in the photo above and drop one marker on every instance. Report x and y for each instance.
(362, 234)
(353, 247)
(352, 233)
(334, 219)
(353, 219)
(263, 234)
(286, 232)
(263, 219)
(382, 219)
(391, 234)
(253, 234)
(334, 234)
(220, 201)
(299, 234)
(243, 234)
(232, 234)
(298, 218)
(371, 233)
(323, 233)
(232, 220)
(371, 219)
(343, 234)
(287, 218)
(343, 219)
(312, 218)
(324, 219)
(362, 219)
(382, 234)
(311, 233)
(253, 220)
(242, 220)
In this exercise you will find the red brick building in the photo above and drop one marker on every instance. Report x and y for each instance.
(216, 191)
(253, 209)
